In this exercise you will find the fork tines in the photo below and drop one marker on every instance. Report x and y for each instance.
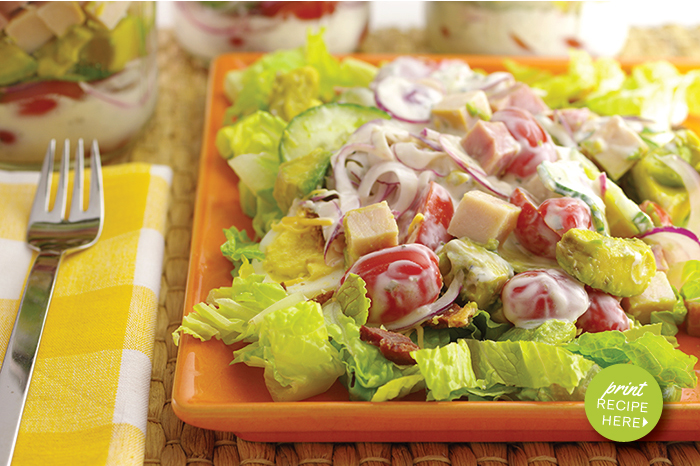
(58, 213)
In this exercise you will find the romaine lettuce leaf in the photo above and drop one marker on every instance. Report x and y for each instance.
(255, 85)
(527, 364)
(484, 369)
(654, 89)
(353, 300)
(447, 370)
(239, 246)
(227, 312)
(294, 350)
(652, 352)
(257, 133)
(366, 368)
(552, 331)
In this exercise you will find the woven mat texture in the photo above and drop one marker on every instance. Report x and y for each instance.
(173, 137)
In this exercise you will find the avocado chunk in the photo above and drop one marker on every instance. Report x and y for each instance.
(657, 182)
(16, 64)
(298, 177)
(485, 272)
(619, 266)
(57, 58)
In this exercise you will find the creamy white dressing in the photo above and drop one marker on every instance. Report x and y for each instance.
(564, 298)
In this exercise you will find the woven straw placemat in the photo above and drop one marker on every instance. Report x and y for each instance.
(173, 137)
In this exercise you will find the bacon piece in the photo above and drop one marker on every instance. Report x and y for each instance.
(455, 316)
(323, 297)
(394, 346)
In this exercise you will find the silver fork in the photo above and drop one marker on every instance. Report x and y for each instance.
(53, 235)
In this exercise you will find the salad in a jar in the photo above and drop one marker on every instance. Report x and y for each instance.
(207, 29)
(422, 226)
(74, 70)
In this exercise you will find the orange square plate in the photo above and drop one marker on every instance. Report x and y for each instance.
(210, 393)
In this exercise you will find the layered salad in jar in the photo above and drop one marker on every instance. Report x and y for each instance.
(526, 28)
(74, 70)
(208, 29)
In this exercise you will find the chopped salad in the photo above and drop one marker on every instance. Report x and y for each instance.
(424, 226)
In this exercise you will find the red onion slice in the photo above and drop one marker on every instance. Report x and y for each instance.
(406, 100)
(691, 181)
(678, 244)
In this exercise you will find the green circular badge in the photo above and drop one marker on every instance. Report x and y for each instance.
(623, 402)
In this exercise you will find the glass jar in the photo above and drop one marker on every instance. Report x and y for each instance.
(74, 70)
(208, 29)
(526, 28)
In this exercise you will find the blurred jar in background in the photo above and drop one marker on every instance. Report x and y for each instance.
(208, 29)
(526, 28)
(74, 70)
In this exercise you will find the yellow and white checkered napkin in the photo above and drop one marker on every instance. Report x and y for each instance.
(88, 399)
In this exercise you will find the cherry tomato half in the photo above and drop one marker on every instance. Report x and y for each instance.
(302, 10)
(437, 209)
(398, 280)
(531, 230)
(534, 296)
(603, 313)
(536, 144)
(538, 229)
(561, 214)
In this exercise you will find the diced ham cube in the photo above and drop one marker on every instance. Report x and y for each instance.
(59, 16)
(482, 217)
(573, 118)
(461, 111)
(492, 145)
(107, 13)
(519, 95)
(369, 229)
(28, 30)
(614, 146)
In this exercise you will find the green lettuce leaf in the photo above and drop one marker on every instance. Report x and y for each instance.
(257, 133)
(654, 89)
(447, 370)
(489, 369)
(253, 87)
(482, 327)
(366, 368)
(553, 332)
(399, 387)
(294, 349)
(670, 320)
(353, 300)
(652, 352)
(527, 364)
(227, 313)
(239, 246)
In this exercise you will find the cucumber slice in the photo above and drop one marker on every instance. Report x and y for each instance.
(324, 127)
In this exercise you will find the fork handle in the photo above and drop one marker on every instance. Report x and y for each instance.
(18, 364)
